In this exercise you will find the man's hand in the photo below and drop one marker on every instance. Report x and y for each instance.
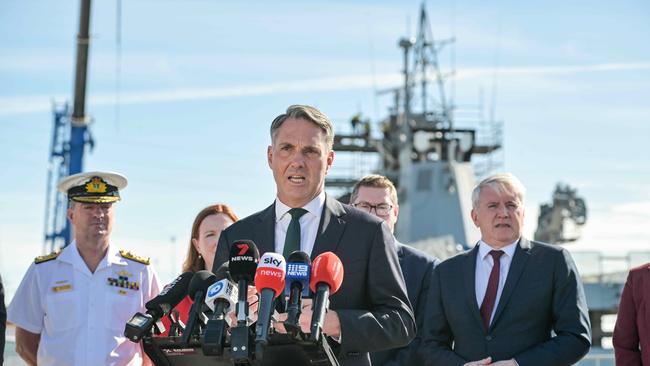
(510, 362)
(253, 303)
(485, 361)
(27, 345)
(331, 323)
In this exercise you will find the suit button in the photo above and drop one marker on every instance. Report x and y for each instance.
(488, 337)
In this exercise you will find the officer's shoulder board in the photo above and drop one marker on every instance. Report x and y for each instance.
(136, 258)
(47, 257)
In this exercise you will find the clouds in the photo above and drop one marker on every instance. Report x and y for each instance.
(14, 105)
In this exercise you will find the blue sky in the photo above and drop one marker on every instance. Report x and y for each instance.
(200, 82)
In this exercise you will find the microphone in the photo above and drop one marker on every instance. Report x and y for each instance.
(220, 298)
(326, 279)
(161, 305)
(222, 294)
(297, 285)
(242, 263)
(170, 296)
(269, 281)
(197, 289)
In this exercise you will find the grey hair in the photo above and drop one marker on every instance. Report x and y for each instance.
(498, 182)
(307, 113)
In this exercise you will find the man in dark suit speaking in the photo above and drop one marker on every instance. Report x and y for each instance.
(371, 310)
(507, 301)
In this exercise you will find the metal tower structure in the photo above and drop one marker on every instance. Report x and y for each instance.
(70, 137)
(423, 151)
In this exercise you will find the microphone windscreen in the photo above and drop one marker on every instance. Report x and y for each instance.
(200, 282)
(270, 273)
(327, 268)
(171, 294)
(299, 257)
(298, 269)
(223, 272)
(244, 257)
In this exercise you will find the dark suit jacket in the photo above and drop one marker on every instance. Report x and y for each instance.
(542, 293)
(3, 321)
(417, 268)
(372, 303)
(632, 328)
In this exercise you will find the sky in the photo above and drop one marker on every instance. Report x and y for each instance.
(182, 103)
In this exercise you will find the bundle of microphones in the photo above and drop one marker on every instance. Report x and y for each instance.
(217, 295)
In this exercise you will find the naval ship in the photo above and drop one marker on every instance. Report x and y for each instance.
(435, 155)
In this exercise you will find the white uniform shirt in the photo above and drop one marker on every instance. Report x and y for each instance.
(81, 315)
(308, 223)
(484, 264)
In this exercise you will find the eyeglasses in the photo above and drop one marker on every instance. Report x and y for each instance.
(382, 209)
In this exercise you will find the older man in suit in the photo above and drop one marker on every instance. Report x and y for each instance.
(632, 330)
(377, 194)
(371, 310)
(507, 301)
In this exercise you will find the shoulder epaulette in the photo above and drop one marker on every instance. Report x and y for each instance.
(136, 258)
(47, 257)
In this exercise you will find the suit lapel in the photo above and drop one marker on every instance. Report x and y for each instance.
(522, 252)
(330, 228)
(469, 274)
(265, 230)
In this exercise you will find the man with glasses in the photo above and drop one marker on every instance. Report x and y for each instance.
(377, 195)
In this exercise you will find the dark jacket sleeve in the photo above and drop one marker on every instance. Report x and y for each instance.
(223, 251)
(626, 334)
(437, 337)
(571, 320)
(408, 355)
(3, 321)
(388, 320)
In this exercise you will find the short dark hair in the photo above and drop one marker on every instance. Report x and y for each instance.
(307, 113)
(375, 181)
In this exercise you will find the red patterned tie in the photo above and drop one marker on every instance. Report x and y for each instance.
(492, 287)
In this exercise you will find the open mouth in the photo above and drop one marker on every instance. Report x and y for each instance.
(498, 226)
(296, 179)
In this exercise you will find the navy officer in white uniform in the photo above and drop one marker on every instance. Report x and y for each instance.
(72, 305)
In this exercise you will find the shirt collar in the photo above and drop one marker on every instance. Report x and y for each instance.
(314, 207)
(484, 249)
(71, 255)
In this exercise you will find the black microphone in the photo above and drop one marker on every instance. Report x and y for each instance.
(297, 285)
(244, 257)
(197, 289)
(170, 296)
(161, 305)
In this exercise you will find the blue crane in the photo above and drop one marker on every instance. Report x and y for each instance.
(70, 137)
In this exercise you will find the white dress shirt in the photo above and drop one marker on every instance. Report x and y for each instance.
(484, 264)
(308, 223)
(81, 315)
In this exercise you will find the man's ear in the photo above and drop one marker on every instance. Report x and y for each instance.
(474, 217)
(269, 155)
(330, 160)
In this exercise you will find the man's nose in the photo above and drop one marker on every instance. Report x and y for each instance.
(297, 160)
